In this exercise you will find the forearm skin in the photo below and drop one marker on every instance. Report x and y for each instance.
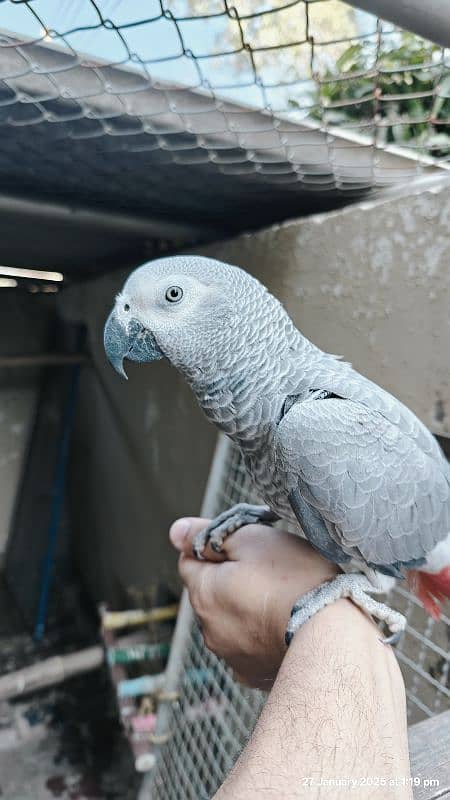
(334, 725)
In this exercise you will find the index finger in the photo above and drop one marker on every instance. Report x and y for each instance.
(243, 544)
(183, 532)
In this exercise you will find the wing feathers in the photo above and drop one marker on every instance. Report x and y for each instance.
(374, 486)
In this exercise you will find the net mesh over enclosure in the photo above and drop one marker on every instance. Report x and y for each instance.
(193, 107)
(213, 717)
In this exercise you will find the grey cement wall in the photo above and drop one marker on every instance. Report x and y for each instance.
(24, 328)
(370, 282)
(24, 320)
(16, 413)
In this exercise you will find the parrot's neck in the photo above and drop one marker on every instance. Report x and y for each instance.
(243, 392)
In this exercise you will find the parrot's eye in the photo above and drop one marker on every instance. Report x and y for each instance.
(174, 294)
(126, 307)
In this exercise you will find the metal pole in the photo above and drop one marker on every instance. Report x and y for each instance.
(57, 501)
(430, 19)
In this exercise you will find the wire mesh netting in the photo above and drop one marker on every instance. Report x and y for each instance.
(211, 723)
(301, 95)
(214, 716)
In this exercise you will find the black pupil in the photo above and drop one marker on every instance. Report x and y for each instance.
(174, 294)
(126, 307)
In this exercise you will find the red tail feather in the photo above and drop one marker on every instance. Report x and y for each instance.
(431, 589)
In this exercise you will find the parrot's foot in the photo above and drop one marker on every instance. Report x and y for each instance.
(229, 522)
(354, 586)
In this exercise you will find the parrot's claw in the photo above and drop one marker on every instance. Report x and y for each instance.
(354, 586)
(227, 523)
(393, 639)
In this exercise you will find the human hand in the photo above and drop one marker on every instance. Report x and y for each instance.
(243, 597)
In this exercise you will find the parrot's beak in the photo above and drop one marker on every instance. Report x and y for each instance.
(132, 341)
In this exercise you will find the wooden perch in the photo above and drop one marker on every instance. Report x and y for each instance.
(48, 673)
(111, 620)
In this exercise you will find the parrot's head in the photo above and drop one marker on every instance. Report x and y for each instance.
(196, 312)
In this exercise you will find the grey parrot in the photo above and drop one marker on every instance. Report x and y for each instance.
(325, 447)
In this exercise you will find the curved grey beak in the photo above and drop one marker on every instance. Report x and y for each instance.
(132, 341)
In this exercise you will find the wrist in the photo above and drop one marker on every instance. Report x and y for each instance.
(285, 603)
(341, 615)
(343, 630)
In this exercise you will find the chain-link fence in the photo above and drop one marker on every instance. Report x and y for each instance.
(153, 105)
(213, 717)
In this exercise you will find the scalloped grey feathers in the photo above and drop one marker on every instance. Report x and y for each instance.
(381, 496)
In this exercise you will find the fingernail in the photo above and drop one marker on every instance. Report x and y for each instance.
(178, 532)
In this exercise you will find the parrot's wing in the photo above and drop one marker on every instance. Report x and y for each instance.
(340, 379)
(377, 492)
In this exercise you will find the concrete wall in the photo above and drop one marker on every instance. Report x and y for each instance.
(16, 413)
(371, 282)
(24, 322)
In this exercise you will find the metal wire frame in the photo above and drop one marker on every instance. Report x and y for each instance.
(180, 79)
(213, 717)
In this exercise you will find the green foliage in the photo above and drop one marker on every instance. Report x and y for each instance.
(403, 88)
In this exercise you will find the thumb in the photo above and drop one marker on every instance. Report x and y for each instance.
(183, 532)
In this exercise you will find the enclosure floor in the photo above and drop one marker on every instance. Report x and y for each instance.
(29, 771)
(45, 754)
(65, 742)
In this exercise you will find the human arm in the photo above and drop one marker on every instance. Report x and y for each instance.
(336, 710)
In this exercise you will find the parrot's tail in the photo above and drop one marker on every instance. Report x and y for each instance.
(431, 589)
